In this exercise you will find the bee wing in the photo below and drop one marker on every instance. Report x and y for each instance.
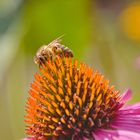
(56, 41)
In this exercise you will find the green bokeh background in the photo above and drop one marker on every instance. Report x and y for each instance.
(91, 29)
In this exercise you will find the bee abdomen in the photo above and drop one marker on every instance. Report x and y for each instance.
(67, 52)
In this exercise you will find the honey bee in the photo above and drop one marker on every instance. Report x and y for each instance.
(51, 51)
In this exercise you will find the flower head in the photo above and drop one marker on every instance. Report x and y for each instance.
(67, 102)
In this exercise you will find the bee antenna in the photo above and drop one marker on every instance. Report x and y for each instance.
(60, 37)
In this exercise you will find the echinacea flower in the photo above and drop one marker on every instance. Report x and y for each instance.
(67, 102)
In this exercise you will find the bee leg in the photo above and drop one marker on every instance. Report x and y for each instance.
(42, 59)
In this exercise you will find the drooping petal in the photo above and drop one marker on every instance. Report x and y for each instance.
(30, 138)
(132, 107)
(126, 96)
(35, 138)
(104, 134)
(128, 118)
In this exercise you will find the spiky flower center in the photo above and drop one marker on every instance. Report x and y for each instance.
(67, 101)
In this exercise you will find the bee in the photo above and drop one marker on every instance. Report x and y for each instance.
(51, 51)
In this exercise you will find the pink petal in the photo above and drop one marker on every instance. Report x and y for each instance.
(128, 118)
(126, 96)
(84, 138)
(34, 138)
(30, 138)
(104, 134)
(133, 109)
(133, 106)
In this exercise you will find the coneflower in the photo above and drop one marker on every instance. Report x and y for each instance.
(71, 101)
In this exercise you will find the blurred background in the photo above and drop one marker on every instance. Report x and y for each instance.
(103, 33)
